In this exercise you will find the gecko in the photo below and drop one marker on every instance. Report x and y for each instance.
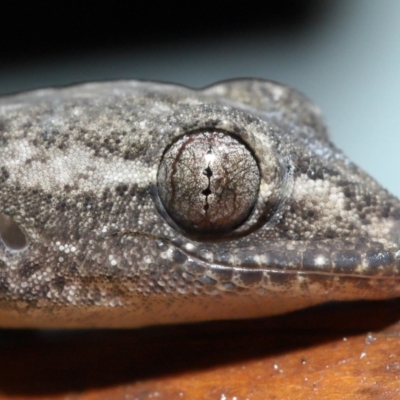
(133, 203)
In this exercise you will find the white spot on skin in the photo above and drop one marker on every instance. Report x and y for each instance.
(320, 260)
(191, 247)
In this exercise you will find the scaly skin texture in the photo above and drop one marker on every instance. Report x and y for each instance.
(78, 176)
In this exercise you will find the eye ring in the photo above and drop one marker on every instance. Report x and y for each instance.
(263, 144)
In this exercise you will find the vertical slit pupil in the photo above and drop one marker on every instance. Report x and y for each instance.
(207, 172)
(207, 191)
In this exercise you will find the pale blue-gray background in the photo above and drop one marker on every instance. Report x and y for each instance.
(348, 63)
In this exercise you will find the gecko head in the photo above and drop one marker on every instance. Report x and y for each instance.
(121, 191)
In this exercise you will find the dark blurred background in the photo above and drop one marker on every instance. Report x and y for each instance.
(344, 55)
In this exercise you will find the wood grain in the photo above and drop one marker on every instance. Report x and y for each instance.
(335, 351)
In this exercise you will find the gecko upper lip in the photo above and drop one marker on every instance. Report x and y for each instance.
(11, 234)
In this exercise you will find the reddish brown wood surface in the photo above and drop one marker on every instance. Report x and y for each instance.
(338, 351)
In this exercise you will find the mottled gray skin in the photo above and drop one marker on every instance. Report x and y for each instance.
(78, 175)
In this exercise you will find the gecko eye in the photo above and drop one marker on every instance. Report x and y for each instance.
(208, 182)
(11, 234)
